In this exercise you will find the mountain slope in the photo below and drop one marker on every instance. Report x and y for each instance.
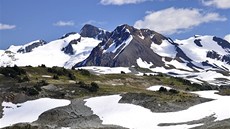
(125, 45)
(64, 52)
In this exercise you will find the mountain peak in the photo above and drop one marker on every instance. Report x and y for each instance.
(68, 34)
(91, 31)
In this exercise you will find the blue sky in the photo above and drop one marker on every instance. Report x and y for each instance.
(22, 21)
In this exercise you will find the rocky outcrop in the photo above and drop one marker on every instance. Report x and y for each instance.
(76, 116)
(155, 104)
(94, 32)
(69, 48)
(31, 46)
(68, 34)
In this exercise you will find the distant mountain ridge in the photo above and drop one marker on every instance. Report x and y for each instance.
(127, 46)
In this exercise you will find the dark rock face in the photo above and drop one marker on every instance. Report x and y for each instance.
(226, 58)
(213, 55)
(30, 47)
(223, 43)
(69, 48)
(181, 54)
(197, 42)
(118, 51)
(94, 32)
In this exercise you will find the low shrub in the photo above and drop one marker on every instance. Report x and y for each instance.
(23, 79)
(12, 71)
(71, 76)
(122, 72)
(93, 87)
(173, 91)
(56, 77)
(162, 89)
(84, 72)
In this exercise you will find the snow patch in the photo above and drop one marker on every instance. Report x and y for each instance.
(2, 52)
(46, 76)
(28, 111)
(143, 64)
(157, 87)
(106, 70)
(178, 65)
(165, 49)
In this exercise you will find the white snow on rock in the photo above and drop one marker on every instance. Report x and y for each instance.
(163, 70)
(197, 53)
(137, 117)
(7, 58)
(165, 49)
(106, 70)
(2, 52)
(46, 76)
(178, 65)
(81, 51)
(143, 64)
(113, 48)
(197, 77)
(28, 111)
(227, 37)
(14, 48)
(157, 87)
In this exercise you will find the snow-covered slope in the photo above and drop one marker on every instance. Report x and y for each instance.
(81, 51)
(50, 54)
(207, 51)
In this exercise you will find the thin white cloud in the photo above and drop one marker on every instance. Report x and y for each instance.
(6, 26)
(227, 37)
(222, 4)
(120, 2)
(93, 22)
(64, 23)
(173, 20)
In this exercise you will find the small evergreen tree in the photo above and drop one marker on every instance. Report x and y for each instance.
(71, 76)
(56, 77)
(94, 87)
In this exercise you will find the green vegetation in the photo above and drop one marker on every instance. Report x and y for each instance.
(164, 90)
(12, 71)
(56, 77)
(84, 72)
(93, 87)
(66, 83)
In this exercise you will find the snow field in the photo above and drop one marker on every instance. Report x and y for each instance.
(28, 111)
(137, 117)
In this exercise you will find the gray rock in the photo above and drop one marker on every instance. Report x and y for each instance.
(75, 115)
